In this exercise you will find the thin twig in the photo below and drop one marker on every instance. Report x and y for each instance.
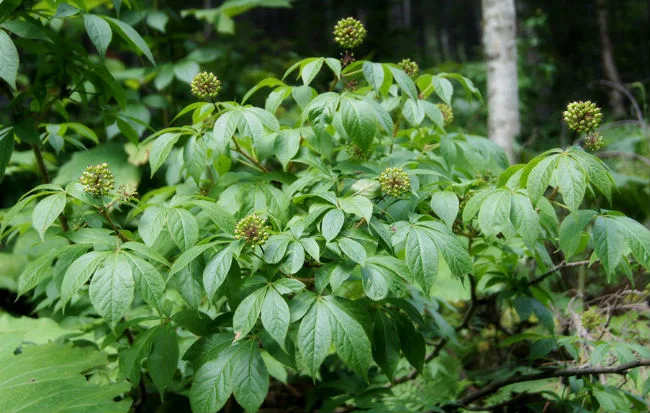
(104, 212)
(249, 157)
(555, 269)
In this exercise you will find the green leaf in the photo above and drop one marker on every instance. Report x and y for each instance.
(445, 204)
(145, 251)
(359, 121)
(404, 82)
(47, 211)
(160, 150)
(157, 19)
(413, 113)
(443, 88)
(37, 270)
(188, 256)
(295, 258)
(247, 313)
(112, 288)
(494, 216)
(422, 258)
(216, 271)
(212, 384)
(311, 246)
(276, 316)
(183, 228)
(572, 182)
(539, 177)
(164, 356)
(411, 342)
(638, 239)
(352, 343)
(99, 31)
(275, 248)
(334, 65)
(609, 243)
(152, 283)
(219, 215)
(315, 336)
(151, 224)
(352, 249)
(132, 37)
(375, 281)
(8, 60)
(250, 378)
(79, 272)
(385, 348)
(357, 205)
(374, 74)
(309, 71)
(450, 247)
(524, 218)
(52, 378)
(571, 231)
(332, 224)
(286, 146)
(6, 149)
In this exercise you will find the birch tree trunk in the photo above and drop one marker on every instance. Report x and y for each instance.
(499, 35)
(607, 57)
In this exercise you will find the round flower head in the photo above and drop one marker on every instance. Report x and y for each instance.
(205, 85)
(127, 192)
(583, 116)
(593, 141)
(252, 230)
(410, 67)
(590, 319)
(349, 33)
(447, 113)
(394, 182)
(97, 179)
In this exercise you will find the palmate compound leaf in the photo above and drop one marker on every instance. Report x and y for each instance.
(48, 378)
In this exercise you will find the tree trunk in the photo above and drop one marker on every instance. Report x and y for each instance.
(607, 57)
(499, 41)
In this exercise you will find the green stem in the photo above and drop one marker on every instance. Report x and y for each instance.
(249, 157)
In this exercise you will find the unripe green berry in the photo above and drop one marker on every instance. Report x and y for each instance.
(583, 116)
(97, 179)
(590, 319)
(205, 85)
(593, 141)
(349, 33)
(447, 113)
(394, 182)
(252, 230)
(409, 67)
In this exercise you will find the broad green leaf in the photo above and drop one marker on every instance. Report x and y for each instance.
(275, 316)
(275, 248)
(524, 218)
(6, 149)
(164, 356)
(411, 342)
(374, 74)
(413, 113)
(183, 228)
(79, 272)
(152, 283)
(247, 313)
(359, 121)
(357, 205)
(99, 31)
(352, 249)
(443, 88)
(352, 343)
(315, 336)
(112, 288)
(375, 281)
(47, 211)
(132, 37)
(188, 256)
(216, 271)
(157, 19)
(311, 247)
(250, 378)
(224, 129)
(334, 65)
(295, 258)
(53, 378)
(332, 223)
(494, 216)
(404, 82)
(145, 251)
(151, 224)
(288, 286)
(539, 177)
(310, 70)
(450, 247)
(36, 271)
(8, 60)
(286, 146)
(638, 239)
(445, 204)
(219, 215)
(385, 348)
(421, 258)
(572, 182)
(212, 384)
(571, 230)
(160, 150)
(609, 243)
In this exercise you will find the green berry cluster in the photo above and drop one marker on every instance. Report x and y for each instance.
(97, 179)
(205, 85)
(590, 319)
(394, 182)
(410, 67)
(252, 229)
(349, 33)
(127, 192)
(583, 116)
(593, 141)
(447, 113)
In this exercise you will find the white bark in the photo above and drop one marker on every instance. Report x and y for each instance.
(499, 41)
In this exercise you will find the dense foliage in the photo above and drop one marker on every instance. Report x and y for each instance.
(339, 248)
